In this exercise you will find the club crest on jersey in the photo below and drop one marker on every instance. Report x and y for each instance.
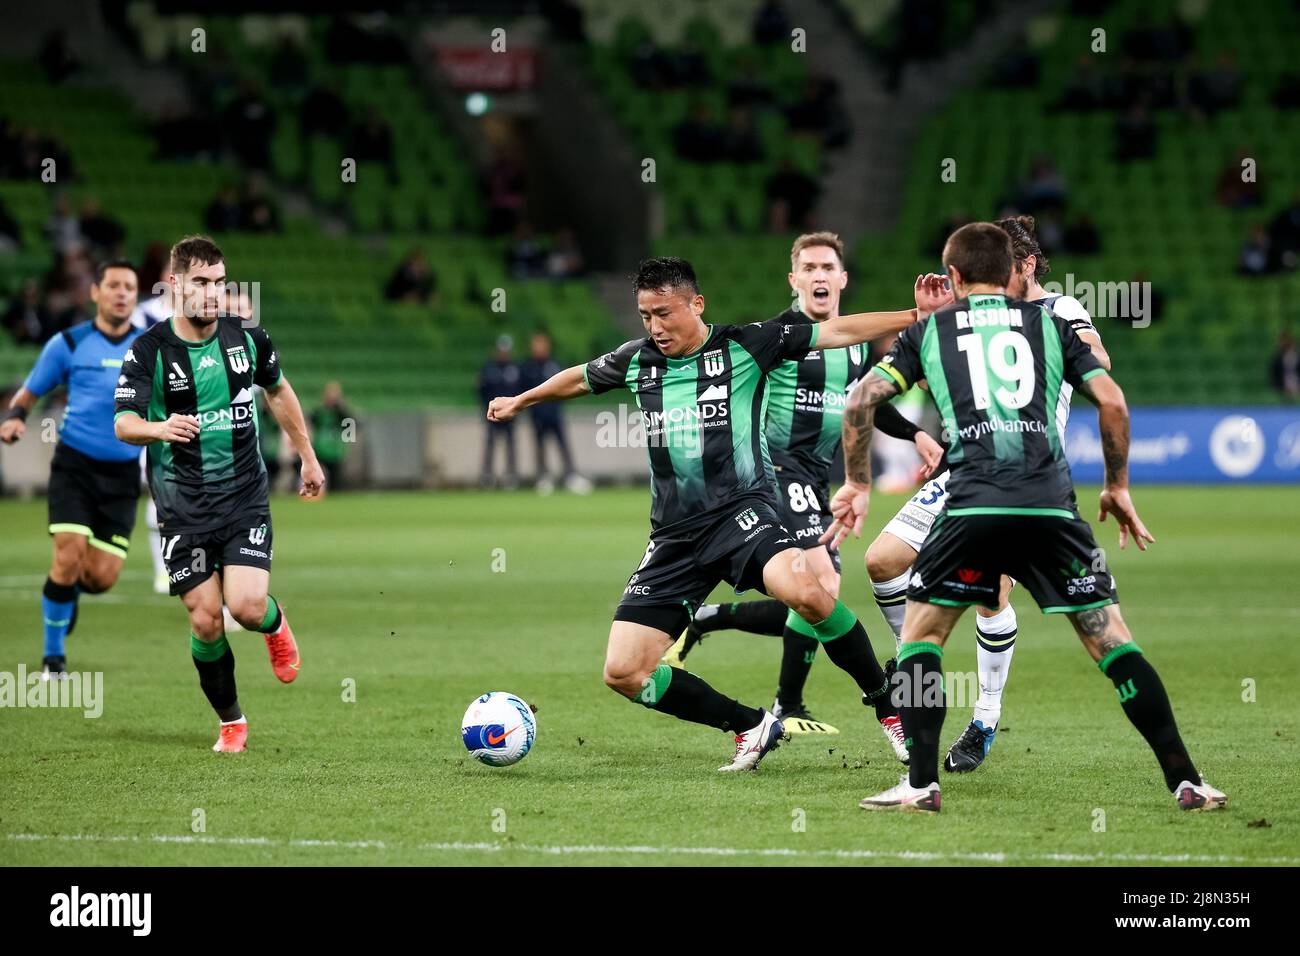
(855, 353)
(747, 519)
(238, 359)
(713, 363)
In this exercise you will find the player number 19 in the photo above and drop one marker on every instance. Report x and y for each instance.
(1020, 369)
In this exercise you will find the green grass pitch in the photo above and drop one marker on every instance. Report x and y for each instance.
(398, 593)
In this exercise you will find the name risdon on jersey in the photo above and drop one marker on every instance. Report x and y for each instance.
(88, 362)
(996, 367)
(805, 404)
(703, 414)
(218, 477)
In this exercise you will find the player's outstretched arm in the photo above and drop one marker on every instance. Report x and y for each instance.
(846, 330)
(13, 422)
(570, 383)
(849, 506)
(1112, 422)
(283, 402)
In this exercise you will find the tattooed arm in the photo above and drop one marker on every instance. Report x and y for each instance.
(1112, 421)
(849, 506)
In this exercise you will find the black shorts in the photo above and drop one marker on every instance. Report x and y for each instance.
(804, 507)
(1057, 559)
(95, 498)
(193, 558)
(679, 570)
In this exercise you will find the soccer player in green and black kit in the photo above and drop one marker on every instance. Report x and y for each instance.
(701, 390)
(186, 391)
(806, 397)
(996, 366)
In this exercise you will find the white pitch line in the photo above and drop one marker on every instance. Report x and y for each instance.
(641, 850)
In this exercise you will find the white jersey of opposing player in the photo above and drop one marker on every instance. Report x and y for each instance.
(152, 311)
(1077, 317)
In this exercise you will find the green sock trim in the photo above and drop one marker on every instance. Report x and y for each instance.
(1129, 648)
(652, 691)
(918, 647)
(272, 609)
(841, 621)
(208, 650)
(797, 624)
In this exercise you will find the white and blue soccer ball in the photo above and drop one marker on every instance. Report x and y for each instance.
(499, 729)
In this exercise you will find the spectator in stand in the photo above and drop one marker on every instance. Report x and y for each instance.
(249, 123)
(288, 68)
(63, 229)
(955, 222)
(182, 134)
(332, 425)
(741, 143)
(1256, 257)
(10, 233)
(1082, 238)
(56, 56)
(67, 288)
(1044, 187)
(548, 423)
(791, 196)
(699, 137)
(412, 281)
(1087, 89)
(371, 140)
(1284, 235)
(771, 25)
(499, 377)
(1287, 94)
(1232, 190)
(153, 267)
(323, 112)
(256, 213)
(222, 214)
(505, 191)
(1285, 368)
(565, 261)
(820, 110)
(1135, 135)
(1217, 89)
(27, 319)
(525, 259)
(103, 233)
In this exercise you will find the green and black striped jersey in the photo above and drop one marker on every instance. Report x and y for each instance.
(805, 405)
(995, 368)
(218, 477)
(703, 414)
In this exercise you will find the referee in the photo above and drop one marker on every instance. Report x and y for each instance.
(94, 478)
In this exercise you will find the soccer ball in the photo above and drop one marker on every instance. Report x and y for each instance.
(499, 729)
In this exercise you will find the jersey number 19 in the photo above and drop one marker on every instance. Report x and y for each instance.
(1018, 370)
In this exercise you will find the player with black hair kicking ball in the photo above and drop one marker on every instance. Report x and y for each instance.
(94, 478)
(805, 400)
(995, 366)
(701, 389)
(187, 393)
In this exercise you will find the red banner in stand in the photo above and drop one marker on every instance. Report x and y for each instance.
(477, 68)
